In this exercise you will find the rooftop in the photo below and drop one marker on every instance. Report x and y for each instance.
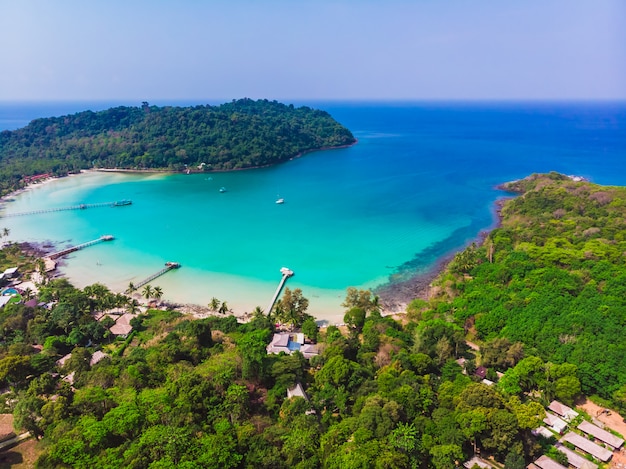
(575, 459)
(601, 434)
(561, 409)
(544, 462)
(590, 447)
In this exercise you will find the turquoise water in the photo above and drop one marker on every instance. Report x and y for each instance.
(419, 183)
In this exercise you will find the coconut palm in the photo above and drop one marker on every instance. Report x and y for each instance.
(6, 232)
(132, 306)
(131, 288)
(157, 293)
(223, 308)
(28, 293)
(214, 304)
(147, 292)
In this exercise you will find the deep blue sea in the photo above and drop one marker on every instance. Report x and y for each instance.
(419, 184)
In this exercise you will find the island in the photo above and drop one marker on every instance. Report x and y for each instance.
(240, 134)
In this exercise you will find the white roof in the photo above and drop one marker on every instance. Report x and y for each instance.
(297, 391)
(4, 299)
(10, 271)
(601, 434)
(543, 431)
(556, 423)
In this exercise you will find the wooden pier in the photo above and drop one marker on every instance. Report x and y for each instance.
(69, 250)
(119, 203)
(168, 266)
(286, 274)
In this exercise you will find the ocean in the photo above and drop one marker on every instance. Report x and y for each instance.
(419, 184)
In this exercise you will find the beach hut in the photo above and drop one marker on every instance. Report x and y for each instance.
(587, 446)
(544, 462)
(563, 411)
(601, 435)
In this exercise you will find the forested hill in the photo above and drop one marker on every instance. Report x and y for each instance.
(239, 134)
(552, 278)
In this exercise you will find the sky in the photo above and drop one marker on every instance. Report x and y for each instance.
(312, 50)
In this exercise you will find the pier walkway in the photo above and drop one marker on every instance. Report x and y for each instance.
(119, 203)
(286, 274)
(168, 266)
(78, 247)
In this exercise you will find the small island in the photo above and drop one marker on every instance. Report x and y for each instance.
(241, 134)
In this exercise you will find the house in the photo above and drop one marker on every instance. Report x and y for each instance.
(11, 272)
(476, 461)
(543, 431)
(481, 372)
(563, 411)
(96, 357)
(4, 299)
(555, 423)
(122, 326)
(601, 435)
(61, 361)
(544, 462)
(575, 459)
(288, 343)
(587, 446)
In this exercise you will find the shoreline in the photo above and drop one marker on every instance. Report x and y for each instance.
(396, 296)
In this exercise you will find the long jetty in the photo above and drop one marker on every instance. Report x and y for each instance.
(286, 274)
(78, 247)
(119, 203)
(168, 266)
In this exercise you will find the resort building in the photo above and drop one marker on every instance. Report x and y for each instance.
(289, 343)
(122, 326)
(543, 431)
(544, 462)
(96, 357)
(601, 435)
(555, 423)
(587, 446)
(574, 459)
(563, 411)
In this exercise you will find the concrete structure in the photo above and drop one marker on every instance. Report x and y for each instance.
(587, 446)
(601, 435)
(563, 411)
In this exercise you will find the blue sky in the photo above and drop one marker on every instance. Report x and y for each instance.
(308, 50)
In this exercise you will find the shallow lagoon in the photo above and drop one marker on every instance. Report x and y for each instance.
(419, 184)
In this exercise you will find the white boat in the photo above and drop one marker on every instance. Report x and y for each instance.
(280, 201)
(222, 189)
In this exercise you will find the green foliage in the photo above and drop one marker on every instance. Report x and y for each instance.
(240, 134)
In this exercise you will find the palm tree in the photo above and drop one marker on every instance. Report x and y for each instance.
(214, 304)
(147, 292)
(131, 288)
(157, 293)
(223, 308)
(28, 293)
(132, 306)
(6, 232)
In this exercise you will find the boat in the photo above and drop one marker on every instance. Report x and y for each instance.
(121, 203)
(222, 189)
(280, 201)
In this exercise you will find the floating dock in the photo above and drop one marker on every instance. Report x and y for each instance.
(286, 274)
(119, 203)
(168, 266)
(78, 247)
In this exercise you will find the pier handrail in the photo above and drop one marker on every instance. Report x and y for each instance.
(119, 203)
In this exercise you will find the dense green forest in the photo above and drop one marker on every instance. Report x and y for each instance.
(552, 277)
(241, 134)
(543, 297)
